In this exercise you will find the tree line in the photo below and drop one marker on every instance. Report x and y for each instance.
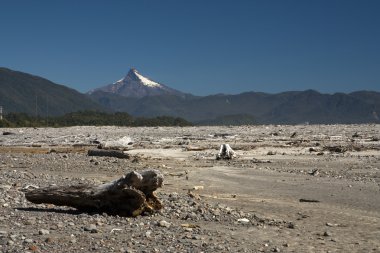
(88, 118)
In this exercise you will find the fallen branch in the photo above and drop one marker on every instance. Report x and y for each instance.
(194, 148)
(110, 153)
(130, 195)
(309, 200)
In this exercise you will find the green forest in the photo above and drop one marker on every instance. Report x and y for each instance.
(88, 118)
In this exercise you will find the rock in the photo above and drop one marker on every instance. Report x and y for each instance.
(49, 240)
(13, 237)
(92, 228)
(243, 220)
(164, 223)
(314, 172)
(327, 233)
(331, 224)
(5, 187)
(43, 232)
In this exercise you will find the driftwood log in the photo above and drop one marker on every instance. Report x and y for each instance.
(130, 195)
(110, 153)
(225, 152)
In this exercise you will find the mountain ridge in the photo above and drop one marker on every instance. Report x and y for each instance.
(291, 107)
(22, 92)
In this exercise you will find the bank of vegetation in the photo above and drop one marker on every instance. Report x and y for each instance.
(88, 118)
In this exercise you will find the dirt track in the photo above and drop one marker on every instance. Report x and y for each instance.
(338, 166)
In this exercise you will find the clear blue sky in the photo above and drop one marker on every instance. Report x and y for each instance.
(198, 46)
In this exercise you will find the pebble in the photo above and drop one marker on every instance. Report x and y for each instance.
(164, 223)
(243, 220)
(43, 232)
(92, 228)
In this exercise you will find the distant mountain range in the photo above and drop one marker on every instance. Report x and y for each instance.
(283, 108)
(141, 96)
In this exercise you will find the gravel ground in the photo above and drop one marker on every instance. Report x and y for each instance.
(248, 204)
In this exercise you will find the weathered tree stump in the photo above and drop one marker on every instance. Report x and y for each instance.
(130, 195)
(225, 152)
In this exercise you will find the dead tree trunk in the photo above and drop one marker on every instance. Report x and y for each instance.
(225, 152)
(130, 195)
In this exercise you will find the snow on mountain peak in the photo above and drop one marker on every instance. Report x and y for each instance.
(133, 73)
(136, 85)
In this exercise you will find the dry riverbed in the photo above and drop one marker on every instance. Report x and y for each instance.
(290, 189)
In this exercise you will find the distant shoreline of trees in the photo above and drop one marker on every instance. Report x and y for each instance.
(89, 118)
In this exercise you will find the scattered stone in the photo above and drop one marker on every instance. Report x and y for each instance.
(148, 233)
(164, 223)
(314, 172)
(49, 240)
(92, 228)
(243, 220)
(43, 232)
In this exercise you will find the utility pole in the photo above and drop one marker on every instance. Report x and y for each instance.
(47, 110)
(36, 106)
(1, 112)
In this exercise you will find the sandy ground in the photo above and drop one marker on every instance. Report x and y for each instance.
(336, 166)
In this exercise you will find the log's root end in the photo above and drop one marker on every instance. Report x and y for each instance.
(153, 202)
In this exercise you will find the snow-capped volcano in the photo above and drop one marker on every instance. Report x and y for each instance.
(136, 85)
